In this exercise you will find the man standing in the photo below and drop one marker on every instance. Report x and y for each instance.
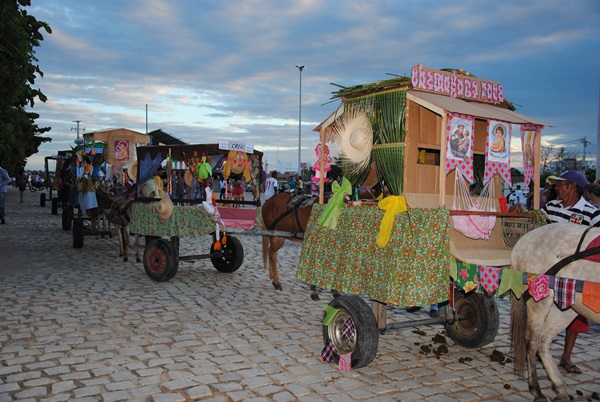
(271, 185)
(519, 196)
(5, 180)
(223, 188)
(571, 206)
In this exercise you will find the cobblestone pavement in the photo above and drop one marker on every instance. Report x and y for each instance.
(81, 324)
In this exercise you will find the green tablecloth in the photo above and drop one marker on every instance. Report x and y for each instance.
(185, 222)
(412, 269)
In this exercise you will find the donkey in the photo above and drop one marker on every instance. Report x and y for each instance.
(119, 215)
(534, 324)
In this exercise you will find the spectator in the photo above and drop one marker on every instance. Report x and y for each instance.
(271, 185)
(570, 206)
(5, 180)
(21, 181)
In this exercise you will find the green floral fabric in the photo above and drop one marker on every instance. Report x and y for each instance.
(185, 222)
(412, 269)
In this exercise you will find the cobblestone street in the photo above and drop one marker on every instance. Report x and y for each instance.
(81, 324)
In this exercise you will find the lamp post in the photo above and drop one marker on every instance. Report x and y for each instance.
(300, 68)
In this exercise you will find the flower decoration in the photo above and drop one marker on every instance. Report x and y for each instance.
(539, 286)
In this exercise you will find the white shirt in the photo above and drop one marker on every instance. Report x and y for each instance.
(270, 187)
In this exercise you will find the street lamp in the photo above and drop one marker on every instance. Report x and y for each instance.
(300, 68)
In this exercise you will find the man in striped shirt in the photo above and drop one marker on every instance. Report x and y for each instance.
(570, 206)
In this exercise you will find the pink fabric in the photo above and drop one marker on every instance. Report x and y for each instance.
(242, 218)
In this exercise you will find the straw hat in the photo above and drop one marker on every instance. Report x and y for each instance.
(354, 134)
(188, 177)
(132, 170)
(165, 208)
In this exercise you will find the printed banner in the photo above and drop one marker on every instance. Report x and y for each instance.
(497, 151)
(460, 136)
(122, 151)
(528, 135)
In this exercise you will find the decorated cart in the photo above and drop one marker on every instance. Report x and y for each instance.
(440, 143)
(113, 149)
(166, 218)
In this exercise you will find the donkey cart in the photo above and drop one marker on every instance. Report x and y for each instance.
(439, 141)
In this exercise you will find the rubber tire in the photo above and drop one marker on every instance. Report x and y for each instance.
(67, 218)
(161, 260)
(364, 349)
(42, 199)
(78, 233)
(54, 209)
(232, 257)
(481, 322)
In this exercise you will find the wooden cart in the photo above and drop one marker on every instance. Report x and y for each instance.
(414, 268)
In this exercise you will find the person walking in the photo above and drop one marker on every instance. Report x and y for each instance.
(271, 185)
(223, 188)
(5, 180)
(21, 182)
(571, 206)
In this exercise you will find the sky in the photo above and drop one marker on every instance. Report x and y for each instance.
(206, 70)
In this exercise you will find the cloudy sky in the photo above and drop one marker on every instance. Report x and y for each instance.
(217, 69)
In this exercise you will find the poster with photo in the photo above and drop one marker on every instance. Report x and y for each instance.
(460, 136)
(497, 151)
(528, 136)
(122, 151)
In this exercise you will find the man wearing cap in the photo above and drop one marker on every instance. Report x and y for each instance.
(571, 206)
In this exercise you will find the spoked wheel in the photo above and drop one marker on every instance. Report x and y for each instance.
(78, 233)
(478, 319)
(161, 260)
(232, 255)
(67, 218)
(352, 330)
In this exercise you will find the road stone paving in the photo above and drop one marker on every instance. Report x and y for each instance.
(81, 324)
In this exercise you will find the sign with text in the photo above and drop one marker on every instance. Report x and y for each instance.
(456, 85)
(236, 146)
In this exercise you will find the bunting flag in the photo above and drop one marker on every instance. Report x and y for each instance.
(511, 280)
(466, 276)
(591, 296)
(489, 277)
(529, 132)
(497, 151)
(460, 137)
(564, 292)
(539, 286)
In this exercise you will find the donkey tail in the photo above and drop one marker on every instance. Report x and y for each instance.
(518, 335)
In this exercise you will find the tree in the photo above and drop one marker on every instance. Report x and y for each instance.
(19, 36)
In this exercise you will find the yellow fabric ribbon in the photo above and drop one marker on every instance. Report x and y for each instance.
(392, 205)
(332, 211)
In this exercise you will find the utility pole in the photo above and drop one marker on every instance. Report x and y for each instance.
(585, 143)
(78, 141)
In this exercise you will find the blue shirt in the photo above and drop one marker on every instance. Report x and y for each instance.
(4, 180)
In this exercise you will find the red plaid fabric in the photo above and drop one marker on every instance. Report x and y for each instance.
(564, 292)
(328, 352)
(349, 330)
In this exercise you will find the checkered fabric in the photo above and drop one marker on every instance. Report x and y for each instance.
(564, 292)
(328, 352)
(349, 330)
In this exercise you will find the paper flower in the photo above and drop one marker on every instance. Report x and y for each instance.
(470, 286)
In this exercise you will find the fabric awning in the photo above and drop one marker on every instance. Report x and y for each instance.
(442, 103)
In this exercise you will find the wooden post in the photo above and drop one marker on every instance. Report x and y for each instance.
(380, 312)
(442, 172)
(537, 148)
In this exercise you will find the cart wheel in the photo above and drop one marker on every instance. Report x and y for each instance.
(55, 206)
(161, 260)
(364, 344)
(478, 319)
(42, 199)
(67, 218)
(232, 256)
(78, 233)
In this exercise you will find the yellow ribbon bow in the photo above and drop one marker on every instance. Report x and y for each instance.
(392, 205)
(335, 205)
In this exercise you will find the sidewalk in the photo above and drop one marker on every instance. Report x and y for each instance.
(81, 324)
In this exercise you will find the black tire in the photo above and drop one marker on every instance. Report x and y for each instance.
(364, 346)
(78, 233)
(232, 255)
(478, 319)
(161, 260)
(67, 218)
(42, 199)
(54, 209)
